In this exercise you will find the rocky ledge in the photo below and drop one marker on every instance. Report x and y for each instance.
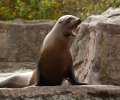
(89, 92)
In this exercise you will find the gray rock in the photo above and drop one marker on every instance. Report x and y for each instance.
(20, 40)
(96, 92)
(96, 49)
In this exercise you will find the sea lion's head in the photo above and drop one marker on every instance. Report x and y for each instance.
(66, 25)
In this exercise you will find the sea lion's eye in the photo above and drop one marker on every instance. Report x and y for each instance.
(68, 20)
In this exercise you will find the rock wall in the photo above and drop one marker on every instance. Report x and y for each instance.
(96, 49)
(20, 40)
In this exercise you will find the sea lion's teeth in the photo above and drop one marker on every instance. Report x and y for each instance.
(73, 31)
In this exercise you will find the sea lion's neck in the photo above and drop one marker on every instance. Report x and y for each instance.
(53, 40)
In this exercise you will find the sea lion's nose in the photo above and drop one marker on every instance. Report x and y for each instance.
(79, 21)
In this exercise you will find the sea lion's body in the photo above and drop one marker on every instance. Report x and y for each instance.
(55, 62)
(19, 80)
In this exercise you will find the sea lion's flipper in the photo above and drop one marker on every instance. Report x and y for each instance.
(72, 79)
(18, 80)
(40, 79)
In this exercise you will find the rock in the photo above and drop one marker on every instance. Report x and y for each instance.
(96, 49)
(96, 92)
(20, 40)
(13, 66)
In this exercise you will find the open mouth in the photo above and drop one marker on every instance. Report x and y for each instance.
(73, 27)
(74, 31)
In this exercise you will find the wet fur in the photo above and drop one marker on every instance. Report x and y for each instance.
(55, 63)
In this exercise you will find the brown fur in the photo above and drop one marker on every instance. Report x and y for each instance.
(33, 78)
(55, 63)
(55, 66)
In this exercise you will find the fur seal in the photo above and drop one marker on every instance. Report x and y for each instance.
(55, 62)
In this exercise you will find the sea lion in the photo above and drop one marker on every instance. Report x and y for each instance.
(55, 62)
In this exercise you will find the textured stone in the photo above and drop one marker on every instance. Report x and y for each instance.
(96, 92)
(96, 49)
(20, 40)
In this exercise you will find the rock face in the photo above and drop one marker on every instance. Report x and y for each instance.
(20, 40)
(62, 93)
(97, 46)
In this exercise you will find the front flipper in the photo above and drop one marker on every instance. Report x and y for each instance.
(72, 79)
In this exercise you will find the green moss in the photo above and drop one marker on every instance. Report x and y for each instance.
(52, 9)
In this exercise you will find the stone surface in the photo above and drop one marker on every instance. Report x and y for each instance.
(96, 49)
(13, 66)
(96, 92)
(20, 40)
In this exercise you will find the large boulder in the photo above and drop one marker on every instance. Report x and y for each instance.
(96, 49)
(20, 40)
